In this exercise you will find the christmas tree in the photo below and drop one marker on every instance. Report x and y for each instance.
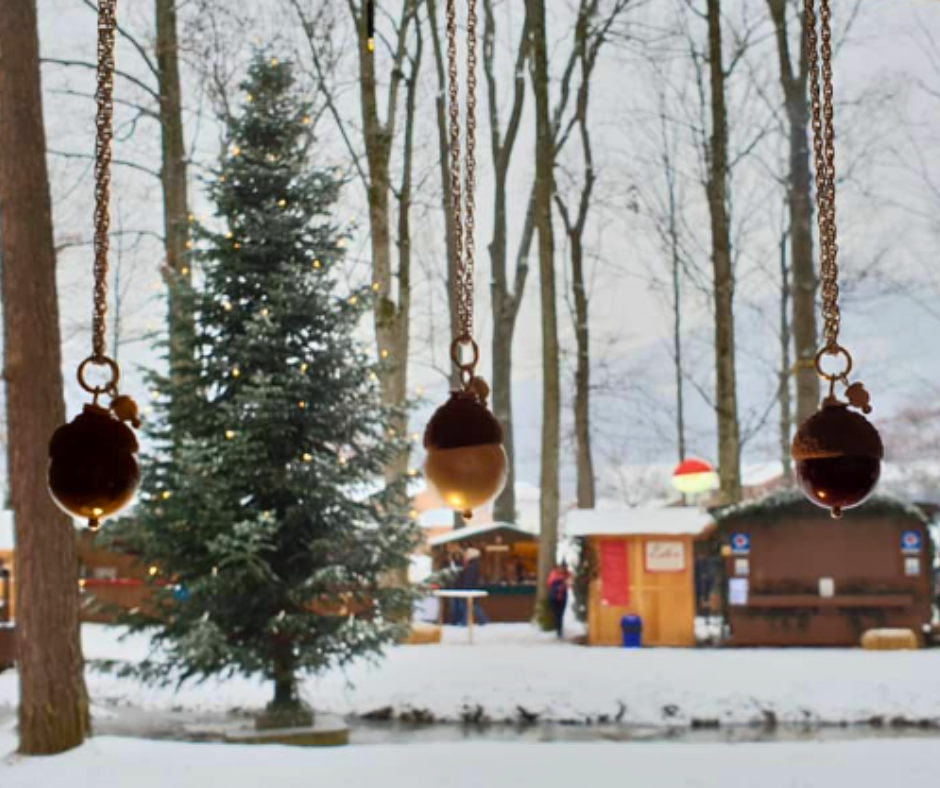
(264, 518)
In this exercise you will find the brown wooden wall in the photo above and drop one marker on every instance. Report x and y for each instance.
(664, 600)
(863, 557)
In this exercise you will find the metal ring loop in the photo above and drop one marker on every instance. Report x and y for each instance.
(102, 361)
(463, 366)
(838, 350)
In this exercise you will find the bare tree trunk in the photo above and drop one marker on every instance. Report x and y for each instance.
(443, 141)
(506, 295)
(582, 377)
(551, 394)
(575, 227)
(390, 316)
(53, 711)
(173, 180)
(676, 265)
(786, 407)
(804, 281)
(729, 446)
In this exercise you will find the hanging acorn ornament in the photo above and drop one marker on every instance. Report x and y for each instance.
(466, 463)
(837, 451)
(93, 471)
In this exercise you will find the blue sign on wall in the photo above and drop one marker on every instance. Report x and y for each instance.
(911, 542)
(740, 544)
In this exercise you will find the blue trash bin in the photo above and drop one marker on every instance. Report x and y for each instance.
(631, 627)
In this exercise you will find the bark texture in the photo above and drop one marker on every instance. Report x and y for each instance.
(804, 283)
(391, 311)
(726, 405)
(173, 182)
(506, 292)
(443, 142)
(783, 393)
(551, 394)
(53, 711)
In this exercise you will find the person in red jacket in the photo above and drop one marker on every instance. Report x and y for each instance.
(558, 581)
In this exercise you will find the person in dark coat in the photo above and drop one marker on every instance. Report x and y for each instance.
(558, 581)
(457, 607)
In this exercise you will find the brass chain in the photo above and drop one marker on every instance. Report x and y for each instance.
(463, 172)
(821, 107)
(105, 135)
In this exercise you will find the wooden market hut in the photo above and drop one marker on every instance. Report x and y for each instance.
(508, 566)
(793, 576)
(642, 562)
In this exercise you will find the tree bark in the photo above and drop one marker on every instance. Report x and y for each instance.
(53, 711)
(390, 316)
(506, 294)
(804, 282)
(551, 394)
(786, 406)
(729, 446)
(676, 264)
(173, 180)
(582, 377)
(586, 49)
(443, 142)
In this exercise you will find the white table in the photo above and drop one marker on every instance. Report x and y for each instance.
(469, 596)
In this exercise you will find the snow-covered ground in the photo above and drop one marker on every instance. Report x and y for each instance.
(512, 668)
(110, 762)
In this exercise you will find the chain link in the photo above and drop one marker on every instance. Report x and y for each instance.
(463, 172)
(821, 107)
(105, 134)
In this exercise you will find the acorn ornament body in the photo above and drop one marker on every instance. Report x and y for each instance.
(93, 470)
(838, 453)
(466, 463)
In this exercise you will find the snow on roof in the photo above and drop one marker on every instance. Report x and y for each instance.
(436, 518)
(6, 530)
(625, 521)
(476, 530)
(761, 473)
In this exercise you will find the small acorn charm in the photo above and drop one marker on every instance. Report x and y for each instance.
(838, 453)
(93, 471)
(466, 463)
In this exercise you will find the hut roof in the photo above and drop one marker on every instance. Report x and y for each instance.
(640, 520)
(474, 531)
(789, 502)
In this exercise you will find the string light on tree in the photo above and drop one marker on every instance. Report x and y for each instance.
(93, 471)
(837, 451)
(466, 462)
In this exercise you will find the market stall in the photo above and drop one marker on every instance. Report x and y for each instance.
(796, 577)
(507, 568)
(641, 562)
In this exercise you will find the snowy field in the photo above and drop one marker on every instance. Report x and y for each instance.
(109, 762)
(513, 670)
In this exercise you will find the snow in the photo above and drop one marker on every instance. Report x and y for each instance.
(109, 762)
(476, 530)
(512, 667)
(653, 520)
